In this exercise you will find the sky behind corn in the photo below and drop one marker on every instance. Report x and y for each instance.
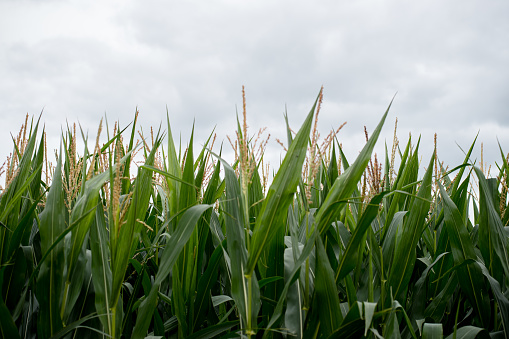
(78, 61)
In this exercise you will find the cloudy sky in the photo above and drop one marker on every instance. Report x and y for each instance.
(448, 61)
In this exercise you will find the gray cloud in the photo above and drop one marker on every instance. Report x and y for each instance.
(447, 61)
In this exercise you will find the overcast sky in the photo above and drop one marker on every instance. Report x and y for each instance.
(448, 61)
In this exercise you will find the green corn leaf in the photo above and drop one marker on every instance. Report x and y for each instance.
(268, 281)
(172, 250)
(280, 195)
(24, 225)
(247, 298)
(469, 332)
(213, 331)
(36, 188)
(15, 199)
(352, 324)
(80, 214)
(469, 276)
(75, 287)
(142, 272)
(505, 168)
(168, 176)
(351, 290)
(113, 139)
(292, 277)
(274, 256)
(500, 297)
(77, 324)
(405, 249)
(391, 326)
(493, 241)
(346, 183)
(332, 171)
(14, 278)
(126, 182)
(101, 270)
(462, 169)
(220, 299)
(445, 264)
(294, 315)
(187, 193)
(358, 318)
(437, 307)
(8, 328)
(207, 280)
(369, 312)
(419, 298)
(48, 252)
(179, 304)
(50, 280)
(173, 170)
(350, 257)
(407, 174)
(122, 245)
(326, 292)
(11, 198)
(389, 241)
(185, 270)
(432, 331)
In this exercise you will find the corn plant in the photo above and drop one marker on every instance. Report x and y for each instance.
(143, 237)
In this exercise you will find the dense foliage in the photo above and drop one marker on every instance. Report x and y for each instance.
(195, 246)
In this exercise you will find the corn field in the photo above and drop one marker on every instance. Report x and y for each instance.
(186, 244)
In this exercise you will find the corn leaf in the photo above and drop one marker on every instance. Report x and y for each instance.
(326, 292)
(350, 257)
(208, 279)
(280, 195)
(172, 250)
(432, 331)
(101, 270)
(346, 183)
(124, 243)
(493, 241)
(469, 332)
(247, 298)
(405, 249)
(500, 297)
(463, 249)
(8, 328)
(50, 279)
